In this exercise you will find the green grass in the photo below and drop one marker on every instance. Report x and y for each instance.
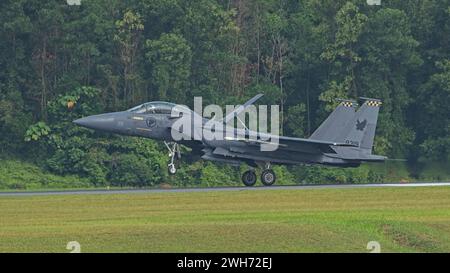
(314, 220)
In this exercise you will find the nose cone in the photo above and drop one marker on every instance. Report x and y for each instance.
(104, 122)
(81, 121)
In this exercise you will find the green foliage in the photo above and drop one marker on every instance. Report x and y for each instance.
(134, 170)
(435, 118)
(336, 91)
(296, 120)
(214, 175)
(432, 171)
(170, 56)
(103, 160)
(350, 23)
(284, 176)
(86, 102)
(437, 149)
(37, 131)
(14, 120)
(17, 174)
(332, 175)
(63, 62)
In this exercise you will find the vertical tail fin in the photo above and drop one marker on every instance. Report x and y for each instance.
(336, 122)
(361, 130)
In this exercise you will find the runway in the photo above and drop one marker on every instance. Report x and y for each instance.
(218, 189)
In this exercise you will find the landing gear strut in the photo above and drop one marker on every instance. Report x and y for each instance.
(174, 150)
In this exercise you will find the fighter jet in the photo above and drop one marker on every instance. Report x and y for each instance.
(344, 139)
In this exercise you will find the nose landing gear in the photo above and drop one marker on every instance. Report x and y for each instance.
(173, 151)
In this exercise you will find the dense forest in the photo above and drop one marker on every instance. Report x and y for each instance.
(59, 62)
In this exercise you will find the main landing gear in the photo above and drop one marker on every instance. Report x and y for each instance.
(268, 177)
(174, 150)
(249, 178)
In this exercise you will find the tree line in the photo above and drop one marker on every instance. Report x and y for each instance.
(109, 55)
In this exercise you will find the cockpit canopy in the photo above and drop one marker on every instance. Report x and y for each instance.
(154, 107)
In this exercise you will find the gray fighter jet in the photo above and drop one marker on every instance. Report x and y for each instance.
(344, 139)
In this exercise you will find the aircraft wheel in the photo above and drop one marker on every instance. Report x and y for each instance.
(268, 177)
(249, 178)
(172, 169)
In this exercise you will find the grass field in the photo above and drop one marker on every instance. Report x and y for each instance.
(313, 220)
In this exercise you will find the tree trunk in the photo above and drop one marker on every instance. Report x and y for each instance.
(42, 75)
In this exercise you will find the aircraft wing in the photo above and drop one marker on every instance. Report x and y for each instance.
(295, 144)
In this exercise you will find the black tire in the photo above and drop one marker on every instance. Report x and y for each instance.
(172, 169)
(249, 178)
(268, 177)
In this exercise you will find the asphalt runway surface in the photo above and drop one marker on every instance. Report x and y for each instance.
(299, 187)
